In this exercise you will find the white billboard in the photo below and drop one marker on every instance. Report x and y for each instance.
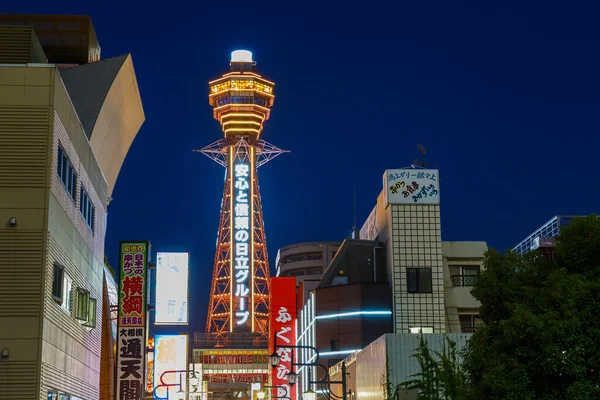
(172, 271)
(170, 356)
(411, 186)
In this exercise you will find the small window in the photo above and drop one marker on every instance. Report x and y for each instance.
(83, 304)
(86, 207)
(419, 280)
(66, 293)
(66, 172)
(421, 329)
(57, 283)
(91, 320)
(335, 345)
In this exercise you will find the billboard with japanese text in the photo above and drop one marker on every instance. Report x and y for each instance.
(131, 332)
(282, 323)
(242, 249)
(170, 365)
(171, 289)
(411, 186)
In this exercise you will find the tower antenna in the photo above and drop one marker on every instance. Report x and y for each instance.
(422, 163)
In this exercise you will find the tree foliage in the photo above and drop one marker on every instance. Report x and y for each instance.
(441, 376)
(541, 332)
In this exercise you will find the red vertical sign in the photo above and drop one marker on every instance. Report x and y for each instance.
(282, 323)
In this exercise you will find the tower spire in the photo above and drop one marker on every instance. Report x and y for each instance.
(241, 101)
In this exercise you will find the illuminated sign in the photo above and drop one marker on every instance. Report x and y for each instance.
(282, 320)
(131, 332)
(170, 365)
(411, 186)
(242, 243)
(172, 288)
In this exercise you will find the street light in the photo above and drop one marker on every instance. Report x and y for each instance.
(274, 359)
(309, 395)
(292, 378)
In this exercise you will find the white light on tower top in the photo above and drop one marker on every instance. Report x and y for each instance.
(241, 55)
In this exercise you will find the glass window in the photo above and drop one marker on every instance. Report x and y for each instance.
(83, 304)
(421, 329)
(419, 280)
(57, 283)
(66, 172)
(86, 208)
(91, 320)
(66, 293)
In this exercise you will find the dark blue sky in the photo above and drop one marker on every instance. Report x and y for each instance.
(503, 96)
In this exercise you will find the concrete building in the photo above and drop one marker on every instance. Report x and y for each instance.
(67, 119)
(430, 279)
(388, 362)
(542, 239)
(305, 261)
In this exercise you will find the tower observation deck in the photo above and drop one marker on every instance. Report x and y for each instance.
(241, 101)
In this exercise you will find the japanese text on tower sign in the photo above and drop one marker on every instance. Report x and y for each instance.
(242, 254)
(131, 322)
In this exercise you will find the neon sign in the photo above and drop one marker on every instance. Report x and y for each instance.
(242, 250)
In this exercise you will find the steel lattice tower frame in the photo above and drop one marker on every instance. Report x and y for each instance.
(241, 100)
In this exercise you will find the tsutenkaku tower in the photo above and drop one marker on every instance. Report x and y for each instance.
(241, 100)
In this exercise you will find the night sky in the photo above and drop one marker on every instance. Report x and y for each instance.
(504, 97)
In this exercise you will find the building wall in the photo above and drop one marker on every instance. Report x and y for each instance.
(59, 353)
(305, 261)
(371, 374)
(411, 237)
(25, 118)
(417, 243)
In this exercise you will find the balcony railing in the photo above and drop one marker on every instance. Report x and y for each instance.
(464, 280)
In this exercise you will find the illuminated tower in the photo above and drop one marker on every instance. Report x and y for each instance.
(240, 287)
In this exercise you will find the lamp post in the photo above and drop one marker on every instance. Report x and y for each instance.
(292, 377)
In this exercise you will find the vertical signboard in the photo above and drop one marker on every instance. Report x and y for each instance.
(369, 229)
(170, 365)
(282, 323)
(241, 223)
(131, 332)
(171, 289)
(411, 186)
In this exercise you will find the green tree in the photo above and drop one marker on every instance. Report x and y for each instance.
(441, 376)
(541, 332)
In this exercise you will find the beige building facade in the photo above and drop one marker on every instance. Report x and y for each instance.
(430, 279)
(54, 193)
(305, 261)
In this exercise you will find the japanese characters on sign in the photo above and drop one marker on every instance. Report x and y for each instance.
(282, 315)
(242, 243)
(170, 354)
(411, 186)
(131, 331)
(172, 288)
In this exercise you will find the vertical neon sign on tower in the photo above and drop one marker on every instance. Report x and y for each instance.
(242, 243)
(241, 101)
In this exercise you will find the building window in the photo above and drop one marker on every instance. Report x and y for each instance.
(57, 283)
(335, 345)
(66, 293)
(83, 304)
(421, 329)
(469, 322)
(86, 207)
(419, 280)
(91, 319)
(86, 308)
(66, 172)
(468, 275)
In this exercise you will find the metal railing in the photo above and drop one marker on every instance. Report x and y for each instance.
(464, 280)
